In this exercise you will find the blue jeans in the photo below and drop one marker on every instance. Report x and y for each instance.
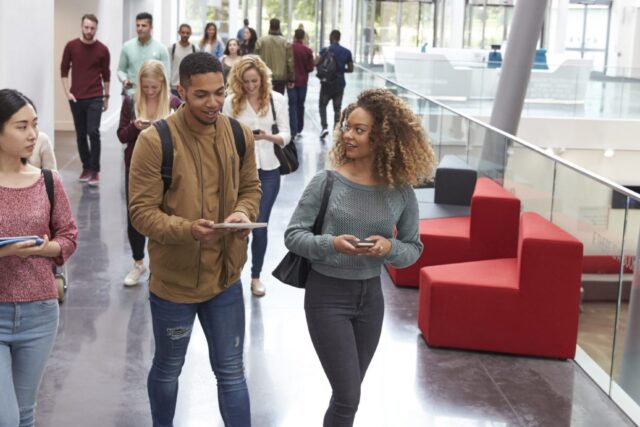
(270, 181)
(86, 119)
(222, 320)
(297, 96)
(27, 333)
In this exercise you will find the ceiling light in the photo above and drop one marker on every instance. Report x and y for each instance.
(609, 152)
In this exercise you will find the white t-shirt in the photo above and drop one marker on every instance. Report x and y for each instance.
(176, 59)
(265, 158)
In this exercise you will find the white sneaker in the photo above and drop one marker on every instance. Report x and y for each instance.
(133, 277)
(257, 288)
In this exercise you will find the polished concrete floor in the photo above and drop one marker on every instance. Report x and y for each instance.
(96, 375)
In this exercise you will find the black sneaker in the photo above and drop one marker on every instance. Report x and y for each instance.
(324, 133)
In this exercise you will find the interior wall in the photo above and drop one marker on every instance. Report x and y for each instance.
(28, 58)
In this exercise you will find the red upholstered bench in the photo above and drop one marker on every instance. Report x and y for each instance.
(523, 305)
(491, 231)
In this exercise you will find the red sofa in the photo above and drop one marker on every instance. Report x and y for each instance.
(523, 305)
(491, 231)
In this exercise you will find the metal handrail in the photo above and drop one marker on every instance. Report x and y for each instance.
(529, 145)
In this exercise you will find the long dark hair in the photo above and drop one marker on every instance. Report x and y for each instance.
(205, 36)
(11, 101)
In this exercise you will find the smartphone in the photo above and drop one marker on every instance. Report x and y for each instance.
(256, 131)
(363, 243)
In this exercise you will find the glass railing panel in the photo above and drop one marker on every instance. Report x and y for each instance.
(432, 120)
(486, 151)
(454, 134)
(625, 386)
(583, 207)
(529, 175)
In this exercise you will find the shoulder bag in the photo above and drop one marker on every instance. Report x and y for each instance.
(287, 155)
(294, 269)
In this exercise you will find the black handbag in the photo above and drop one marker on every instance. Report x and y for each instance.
(287, 155)
(294, 269)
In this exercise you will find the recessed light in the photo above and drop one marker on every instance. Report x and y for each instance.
(609, 152)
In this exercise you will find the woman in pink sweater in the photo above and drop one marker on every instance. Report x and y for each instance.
(28, 293)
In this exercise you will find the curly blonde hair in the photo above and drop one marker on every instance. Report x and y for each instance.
(402, 152)
(244, 64)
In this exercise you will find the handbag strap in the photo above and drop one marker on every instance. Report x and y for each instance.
(328, 185)
(273, 109)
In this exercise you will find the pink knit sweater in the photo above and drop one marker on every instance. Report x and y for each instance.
(25, 212)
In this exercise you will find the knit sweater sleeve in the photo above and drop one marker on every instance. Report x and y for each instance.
(299, 237)
(406, 246)
(127, 130)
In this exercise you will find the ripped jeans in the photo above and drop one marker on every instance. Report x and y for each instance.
(222, 320)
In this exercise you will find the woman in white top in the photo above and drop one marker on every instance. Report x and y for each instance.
(42, 156)
(253, 103)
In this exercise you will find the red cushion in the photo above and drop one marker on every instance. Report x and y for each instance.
(526, 305)
(490, 232)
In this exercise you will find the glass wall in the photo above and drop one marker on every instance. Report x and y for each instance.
(603, 216)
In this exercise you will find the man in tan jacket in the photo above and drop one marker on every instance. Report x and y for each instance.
(195, 269)
(276, 52)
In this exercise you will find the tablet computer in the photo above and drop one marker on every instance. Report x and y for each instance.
(240, 225)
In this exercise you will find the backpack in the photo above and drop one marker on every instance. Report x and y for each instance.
(173, 50)
(61, 281)
(327, 68)
(166, 170)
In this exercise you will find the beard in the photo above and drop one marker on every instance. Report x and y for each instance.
(88, 37)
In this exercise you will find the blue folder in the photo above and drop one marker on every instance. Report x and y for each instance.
(10, 240)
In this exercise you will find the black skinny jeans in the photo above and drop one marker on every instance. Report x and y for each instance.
(330, 92)
(86, 119)
(136, 240)
(344, 318)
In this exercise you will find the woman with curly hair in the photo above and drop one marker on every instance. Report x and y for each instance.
(253, 103)
(381, 150)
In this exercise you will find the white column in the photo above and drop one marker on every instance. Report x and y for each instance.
(558, 33)
(27, 52)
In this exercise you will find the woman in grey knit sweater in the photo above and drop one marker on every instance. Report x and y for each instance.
(381, 150)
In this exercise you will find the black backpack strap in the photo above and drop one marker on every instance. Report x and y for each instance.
(193, 48)
(328, 186)
(238, 137)
(173, 51)
(166, 170)
(48, 185)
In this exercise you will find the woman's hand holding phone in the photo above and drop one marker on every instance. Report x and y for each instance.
(346, 244)
(142, 124)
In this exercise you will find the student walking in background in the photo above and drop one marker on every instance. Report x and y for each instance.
(254, 104)
(231, 56)
(88, 93)
(297, 92)
(137, 51)
(152, 102)
(177, 52)
(381, 150)
(210, 42)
